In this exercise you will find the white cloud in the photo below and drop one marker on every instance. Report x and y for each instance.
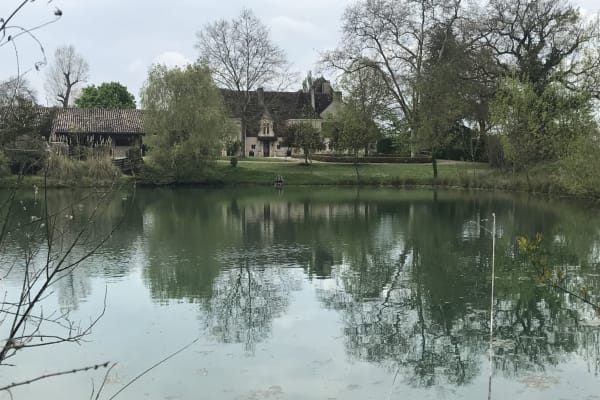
(282, 24)
(171, 59)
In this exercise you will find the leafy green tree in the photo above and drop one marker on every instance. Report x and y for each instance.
(367, 105)
(186, 122)
(109, 95)
(303, 136)
(389, 37)
(355, 130)
(539, 127)
(441, 106)
(22, 137)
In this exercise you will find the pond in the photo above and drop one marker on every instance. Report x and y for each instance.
(313, 293)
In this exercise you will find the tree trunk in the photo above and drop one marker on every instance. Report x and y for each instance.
(65, 102)
(434, 165)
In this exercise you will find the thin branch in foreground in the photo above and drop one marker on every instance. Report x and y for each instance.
(103, 383)
(167, 358)
(52, 375)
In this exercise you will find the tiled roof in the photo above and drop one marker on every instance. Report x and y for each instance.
(281, 106)
(94, 120)
(7, 112)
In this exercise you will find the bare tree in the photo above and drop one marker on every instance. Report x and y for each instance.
(543, 40)
(66, 73)
(15, 89)
(242, 58)
(390, 37)
(39, 243)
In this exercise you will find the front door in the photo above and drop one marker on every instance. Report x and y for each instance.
(267, 149)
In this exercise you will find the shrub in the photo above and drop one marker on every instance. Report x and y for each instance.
(68, 170)
(28, 156)
(133, 153)
(234, 161)
(578, 170)
(4, 164)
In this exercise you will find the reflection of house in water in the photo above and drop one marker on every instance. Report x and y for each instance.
(270, 212)
(302, 234)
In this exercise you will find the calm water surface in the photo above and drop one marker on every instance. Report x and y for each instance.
(320, 294)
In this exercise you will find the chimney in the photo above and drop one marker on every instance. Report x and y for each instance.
(261, 96)
(312, 98)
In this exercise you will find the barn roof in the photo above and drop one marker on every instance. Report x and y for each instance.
(95, 120)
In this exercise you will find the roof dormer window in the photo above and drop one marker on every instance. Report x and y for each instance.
(267, 127)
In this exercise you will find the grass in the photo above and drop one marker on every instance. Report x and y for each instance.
(542, 179)
(296, 173)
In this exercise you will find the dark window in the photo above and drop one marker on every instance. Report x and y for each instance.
(253, 146)
(278, 146)
(122, 141)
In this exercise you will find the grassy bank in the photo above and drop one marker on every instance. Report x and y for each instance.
(29, 181)
(263, 173)
(296, 173)
(541, 179)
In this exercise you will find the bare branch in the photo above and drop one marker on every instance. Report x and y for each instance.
(52, 375)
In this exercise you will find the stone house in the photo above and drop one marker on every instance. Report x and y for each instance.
(269, 112)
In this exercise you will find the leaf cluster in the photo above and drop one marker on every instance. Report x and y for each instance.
(109, 95)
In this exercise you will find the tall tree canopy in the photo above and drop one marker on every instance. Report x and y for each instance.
(389, 37)
(109, 95)
(441, 61)
(186, 122)
(366, 106)
(66, 73)
(542, 40)
(242, 58)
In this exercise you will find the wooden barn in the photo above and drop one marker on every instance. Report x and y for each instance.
(118, 129)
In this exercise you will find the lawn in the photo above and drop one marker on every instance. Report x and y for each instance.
(295, 173)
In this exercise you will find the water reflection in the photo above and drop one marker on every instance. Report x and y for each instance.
(408, 272)
(77, 222)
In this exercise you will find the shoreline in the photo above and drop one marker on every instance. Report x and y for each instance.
(455, 176)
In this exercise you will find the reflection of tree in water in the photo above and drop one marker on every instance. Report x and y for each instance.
(423, 310)
(86, 217)
(246, 298)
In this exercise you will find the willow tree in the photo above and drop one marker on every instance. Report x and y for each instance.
(186, 123)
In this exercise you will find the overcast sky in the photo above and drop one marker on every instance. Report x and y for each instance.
(120, 39)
